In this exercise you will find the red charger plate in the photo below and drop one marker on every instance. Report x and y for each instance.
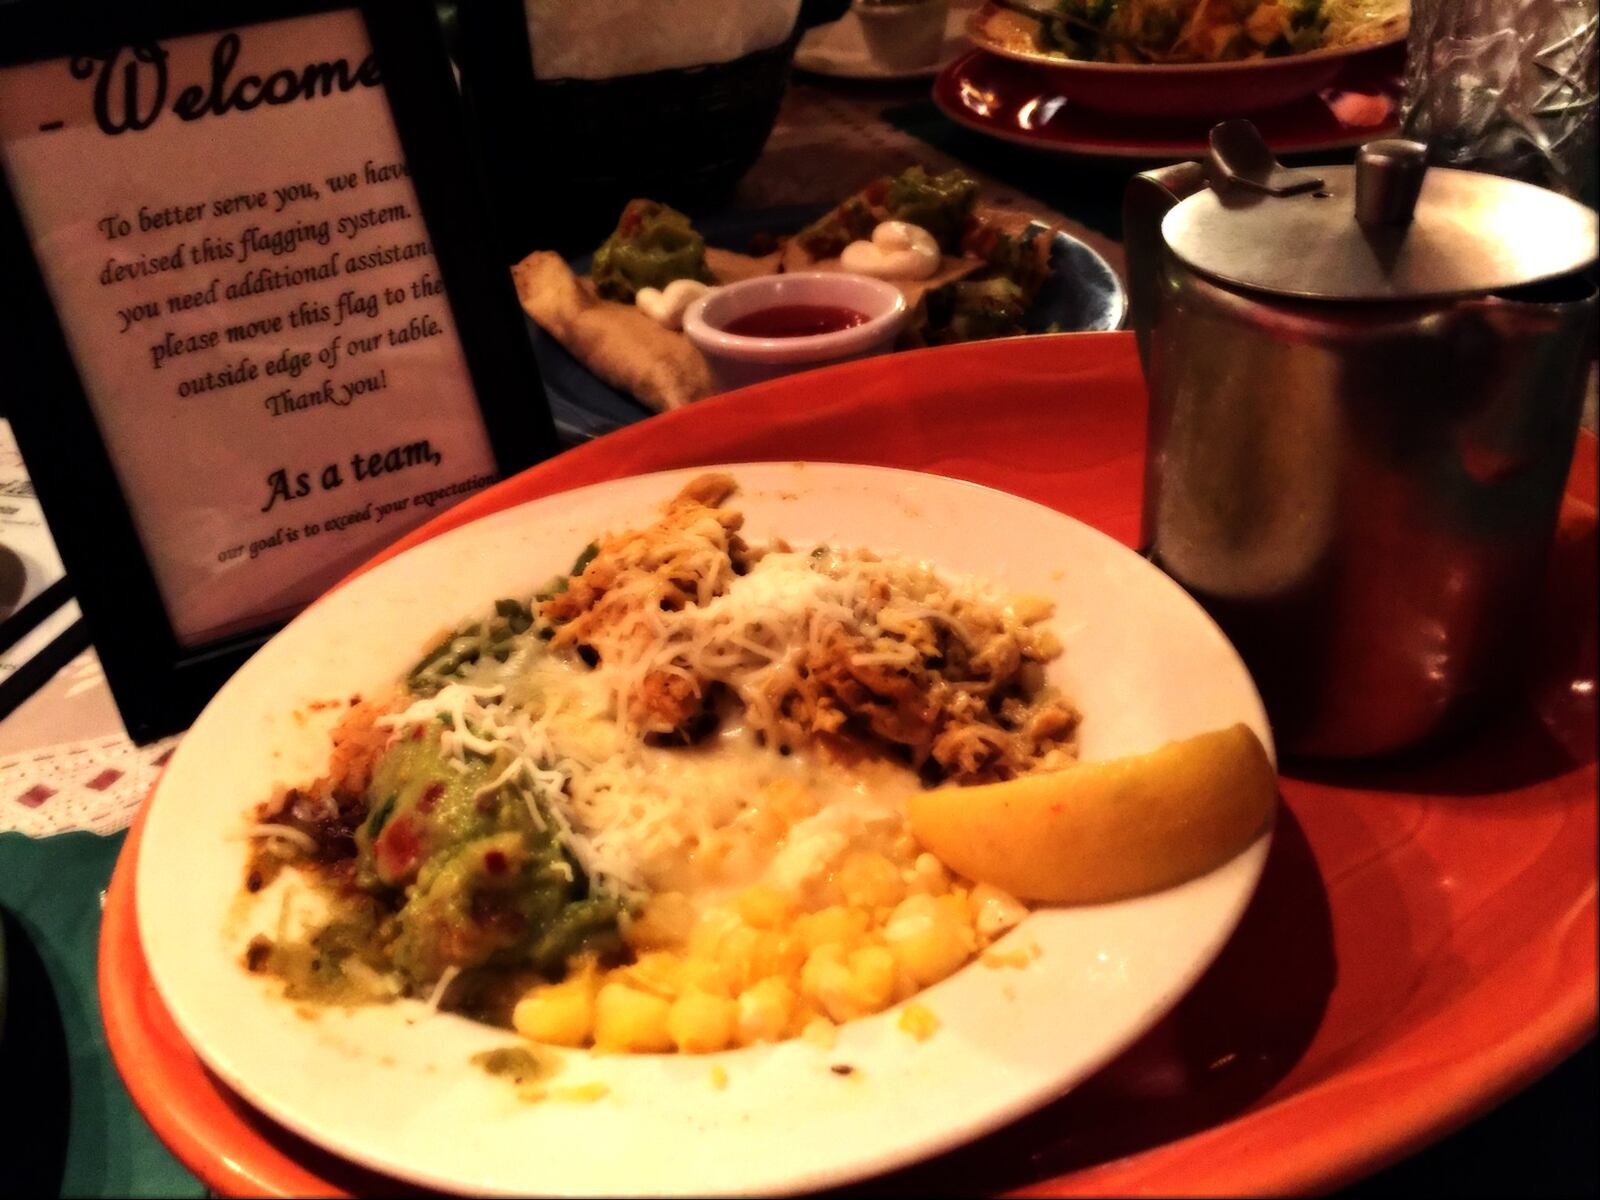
(1029, 105)
(1423, 942)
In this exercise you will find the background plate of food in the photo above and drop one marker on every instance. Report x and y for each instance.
(604, 364)
(1177, 58)
(1116, 717)
(1024, 104)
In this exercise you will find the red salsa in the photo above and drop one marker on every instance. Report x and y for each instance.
(795, 320)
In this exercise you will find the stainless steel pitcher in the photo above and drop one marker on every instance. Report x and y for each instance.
(1365, 384)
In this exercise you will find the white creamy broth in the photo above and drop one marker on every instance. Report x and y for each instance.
(711, 818)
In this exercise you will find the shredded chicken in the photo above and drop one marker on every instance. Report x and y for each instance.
(327, 812)
(837, 649)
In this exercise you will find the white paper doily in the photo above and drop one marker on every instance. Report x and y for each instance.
(93, 783)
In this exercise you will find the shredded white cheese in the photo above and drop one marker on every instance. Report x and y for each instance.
(567, 737)
(298, 838)
(436, 996)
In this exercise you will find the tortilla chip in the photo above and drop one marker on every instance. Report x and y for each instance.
(1007, 220)
(950, 270)
(615, 341)
(729, 267)
(1012, 221)
(796, 258)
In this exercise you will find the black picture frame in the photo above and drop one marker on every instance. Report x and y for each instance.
(159, 684)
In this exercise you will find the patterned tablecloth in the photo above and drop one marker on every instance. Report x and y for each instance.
(65, 760)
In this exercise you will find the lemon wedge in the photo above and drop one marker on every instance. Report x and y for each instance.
(1106, 830)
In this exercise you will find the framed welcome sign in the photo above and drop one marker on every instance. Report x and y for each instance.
(256, 329)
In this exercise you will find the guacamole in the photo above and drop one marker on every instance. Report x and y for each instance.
(652, 246)
(456, 862)
(941, 204)
(975, 309)
(852, 221)
(478, 878)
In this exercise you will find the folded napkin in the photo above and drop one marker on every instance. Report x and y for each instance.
(599, 39)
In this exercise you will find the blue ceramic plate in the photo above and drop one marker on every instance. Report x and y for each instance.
(1083, 294)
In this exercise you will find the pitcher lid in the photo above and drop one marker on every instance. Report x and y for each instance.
(1388, 228)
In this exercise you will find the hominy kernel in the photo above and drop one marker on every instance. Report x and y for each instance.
(766, 1012)
(629, 1020)
(700, 1023)
(765, 907)
(919, 1022)
(821, 1032)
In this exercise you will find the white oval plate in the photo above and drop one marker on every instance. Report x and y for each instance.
(391, 1087)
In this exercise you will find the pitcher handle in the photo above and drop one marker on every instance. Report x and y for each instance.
(1148, 198)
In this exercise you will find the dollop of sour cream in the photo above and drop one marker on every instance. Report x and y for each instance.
(665, 306)
(898, 250)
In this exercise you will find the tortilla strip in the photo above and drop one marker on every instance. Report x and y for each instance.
(615, 341)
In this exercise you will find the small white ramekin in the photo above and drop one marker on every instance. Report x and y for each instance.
(904, 37)
(737, 360)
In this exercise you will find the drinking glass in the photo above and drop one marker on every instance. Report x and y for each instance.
(1506, 86)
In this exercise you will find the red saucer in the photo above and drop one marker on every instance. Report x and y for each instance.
(1423, 942)
(1015, 102)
